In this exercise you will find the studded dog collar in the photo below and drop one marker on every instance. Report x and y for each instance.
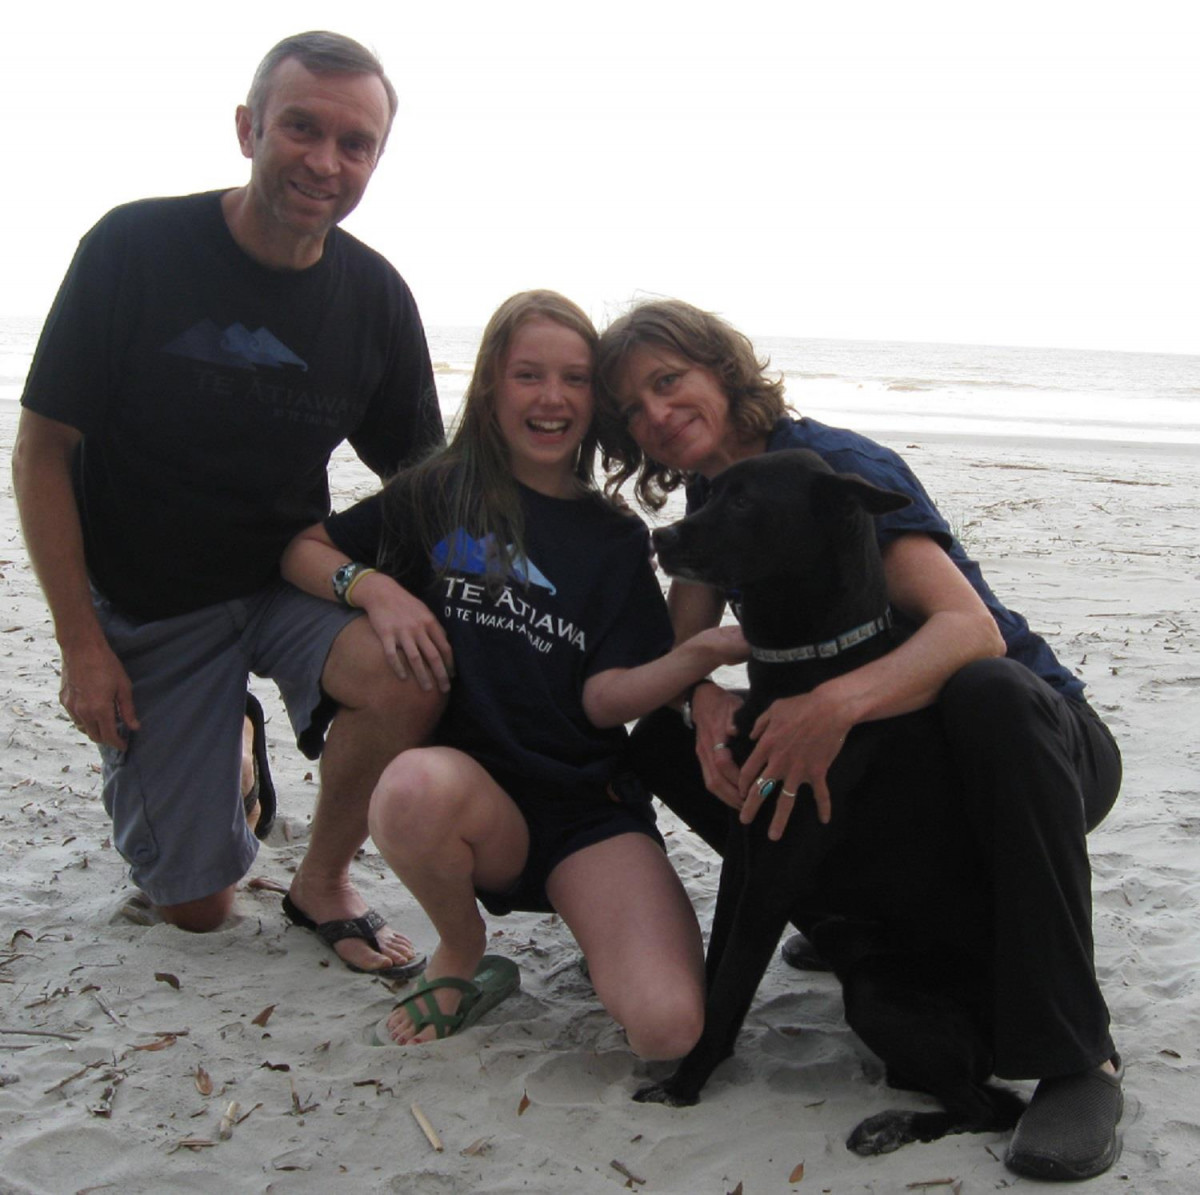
(827, 649)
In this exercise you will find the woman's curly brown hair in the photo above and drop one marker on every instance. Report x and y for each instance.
(756, 401)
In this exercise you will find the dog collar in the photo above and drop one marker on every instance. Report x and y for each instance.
(826, 650)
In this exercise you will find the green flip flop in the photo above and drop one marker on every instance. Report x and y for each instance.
(495, 979)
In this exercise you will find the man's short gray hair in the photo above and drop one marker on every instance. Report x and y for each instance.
(322, 53)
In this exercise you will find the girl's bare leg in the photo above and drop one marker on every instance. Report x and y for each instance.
(445, 827)
(628, 911)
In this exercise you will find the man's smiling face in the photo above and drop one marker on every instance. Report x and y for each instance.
(313, 150)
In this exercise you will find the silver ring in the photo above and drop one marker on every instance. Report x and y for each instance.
(768, 788)
(720, 746)
(785, 793)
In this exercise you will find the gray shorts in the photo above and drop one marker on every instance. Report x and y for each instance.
(174, 794)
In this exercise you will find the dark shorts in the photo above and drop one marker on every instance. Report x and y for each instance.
(559, 825)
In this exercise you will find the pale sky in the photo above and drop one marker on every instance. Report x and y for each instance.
(1018, 173)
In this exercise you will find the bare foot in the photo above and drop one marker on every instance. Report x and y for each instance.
(254, 812)
(343, 901)
(247, 756)
(139, 910)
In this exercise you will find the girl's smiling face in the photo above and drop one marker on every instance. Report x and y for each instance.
(544, 404)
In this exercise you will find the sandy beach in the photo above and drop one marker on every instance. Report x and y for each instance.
(122, 1046)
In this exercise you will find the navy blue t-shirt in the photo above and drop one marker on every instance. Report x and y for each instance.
(584, 599)
(848, 452)
(211, 391)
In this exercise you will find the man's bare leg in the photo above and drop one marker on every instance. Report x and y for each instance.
(380, 716)
(255, 811)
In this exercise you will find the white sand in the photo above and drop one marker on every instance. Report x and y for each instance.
(107, 1026)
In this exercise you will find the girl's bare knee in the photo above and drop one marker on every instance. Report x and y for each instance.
(408, 807)
(666, 1033)
(664, 1020)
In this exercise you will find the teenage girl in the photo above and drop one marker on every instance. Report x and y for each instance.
(498, 563)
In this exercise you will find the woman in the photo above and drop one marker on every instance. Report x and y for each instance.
(686, 396)
(498, 560)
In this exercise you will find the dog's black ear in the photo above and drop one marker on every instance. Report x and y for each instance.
(849, 486)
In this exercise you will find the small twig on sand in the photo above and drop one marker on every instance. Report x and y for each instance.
(621, 1168)
(426, 1128)
(108, 1012)
(228, 1120)
(42, 1033)
(83, 1070)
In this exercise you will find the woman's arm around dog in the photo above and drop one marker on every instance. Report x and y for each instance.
(798, 738)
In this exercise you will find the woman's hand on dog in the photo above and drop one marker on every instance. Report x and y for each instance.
(713, 709)
(796, 741)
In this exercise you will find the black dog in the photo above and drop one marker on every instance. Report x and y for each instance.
(885, 889)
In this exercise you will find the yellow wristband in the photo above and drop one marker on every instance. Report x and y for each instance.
(358, 576)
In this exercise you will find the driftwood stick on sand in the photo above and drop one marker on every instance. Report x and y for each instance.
(427, 1128)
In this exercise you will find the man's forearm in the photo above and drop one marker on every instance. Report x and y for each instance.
(96, 691)
(50, 523)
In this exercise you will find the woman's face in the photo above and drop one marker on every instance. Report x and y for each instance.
(544, 404)
(677, 411)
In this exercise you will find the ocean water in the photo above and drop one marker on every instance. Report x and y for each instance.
(956, 389)
(896, 387)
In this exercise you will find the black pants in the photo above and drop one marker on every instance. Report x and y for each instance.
(1032, 772)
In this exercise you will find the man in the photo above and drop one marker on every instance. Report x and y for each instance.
(204, 357)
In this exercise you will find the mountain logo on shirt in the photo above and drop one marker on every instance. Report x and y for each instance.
(235, 346)
(472, 556)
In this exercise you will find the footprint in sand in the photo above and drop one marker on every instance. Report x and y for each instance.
(579, 1078)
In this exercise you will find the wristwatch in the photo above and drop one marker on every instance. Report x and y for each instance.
(685, 710)
(343, 578)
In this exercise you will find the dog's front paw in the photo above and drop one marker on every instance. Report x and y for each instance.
(890, 1130)
(664, 1093)
(882, 1133)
